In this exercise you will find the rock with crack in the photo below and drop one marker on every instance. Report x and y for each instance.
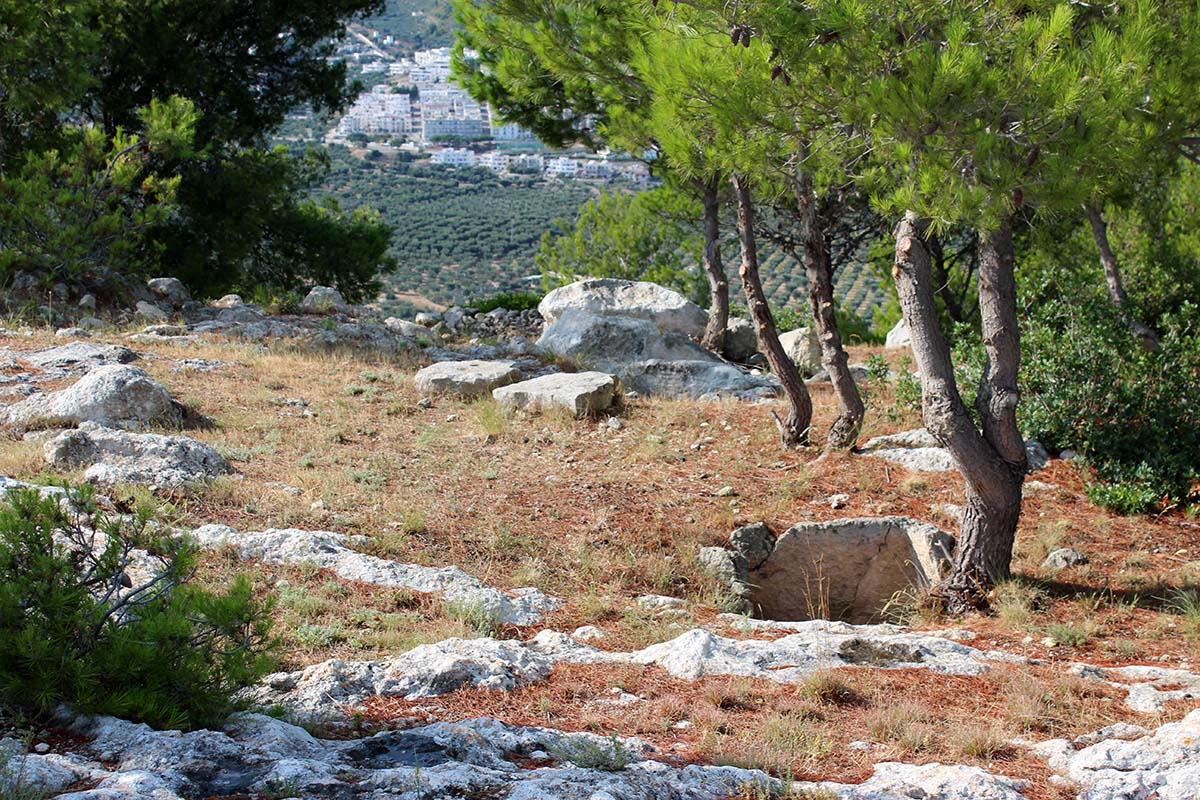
(260, 756)
(1165, 764)
(466, 379)
(116, 395)
(425, 671)
(80, 355)
(610, 297)
(330, 550)
(116, 457)
(581, 393)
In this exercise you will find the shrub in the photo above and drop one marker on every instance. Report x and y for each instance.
(1089, 385)
(97, 612)
(512, 301)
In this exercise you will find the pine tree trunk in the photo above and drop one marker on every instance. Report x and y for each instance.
(843, 434)
(1112, 276)
(714, 268)
(793, 431)
(992, 462)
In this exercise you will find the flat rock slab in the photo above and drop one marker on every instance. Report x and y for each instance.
(1164, 764)
(116, 394)
(117, 456)
(330, 550)
(668, 310)
(699, 380)
(80, 355)
(466, 378)
(581, 393)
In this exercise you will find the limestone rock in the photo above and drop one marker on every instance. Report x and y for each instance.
(229, 301)
(848, 569)
(741, 340)
(668, 310)
(603, 341)
(899, 336)
(916, 449)
(170, 289)
(1036, 456)
(466, 378)
(804, 349)
(329, 550)
(582, 393)
(117, 457)
(1063, 557)
(930, 781)
(113, 395)
(80, 355)
(150, 311)
(702, 380)
(405, 328)
(754, 543)
(325, 300)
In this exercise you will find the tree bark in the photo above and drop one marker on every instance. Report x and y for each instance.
(843, 434)
(714, 268)
(992, 462)
(793, 431)
(1112, 276)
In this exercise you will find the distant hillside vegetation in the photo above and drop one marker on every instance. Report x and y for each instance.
(416, 24)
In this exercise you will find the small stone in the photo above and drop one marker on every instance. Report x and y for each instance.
(657, 602)
(838, 500)
(1062, 558)
(425, 402)
(682, 725)
(726, 491)
(587, 633)
(41, 748)
(88, 302)
(1049, 641)
(319, 505)
(150, 311)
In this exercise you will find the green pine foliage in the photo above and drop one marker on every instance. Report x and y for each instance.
(82, 626)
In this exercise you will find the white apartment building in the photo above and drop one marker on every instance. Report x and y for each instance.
(493, 160)
(378, 111)
(454, 157)
(509, 131)
(526, 164)
(563, 167)
(597, 170)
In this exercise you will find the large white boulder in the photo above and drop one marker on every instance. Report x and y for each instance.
(667, 309)
(466, 378)
(117, 457)
(603, 342)
(581, 393)
(803, 348)
(117, 395)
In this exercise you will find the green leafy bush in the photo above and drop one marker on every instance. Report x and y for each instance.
(1089, 385)
(97, 612)
(513, 301)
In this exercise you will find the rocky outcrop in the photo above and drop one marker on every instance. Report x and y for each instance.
(581, 393)
(466, 378)
(918, 450)
(117, 457)
(81, 356)
(331, 551)
(116, 395)
(325, 300)
(670, 311)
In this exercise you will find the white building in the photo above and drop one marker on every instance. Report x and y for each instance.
(378, 111)
(493, 160)
(563, 167)
(595, 170)
(509, 131)
(454, 157)
(526, 164)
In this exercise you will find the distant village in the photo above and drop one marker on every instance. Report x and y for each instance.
(419, 109)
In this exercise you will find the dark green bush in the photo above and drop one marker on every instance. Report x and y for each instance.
(85, 620)
(513, 301)
(1089, 385)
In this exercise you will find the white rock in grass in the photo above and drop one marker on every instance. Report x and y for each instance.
(581, 393)
(466, 378)
(117, 395)
(667, 309)
(116, 457)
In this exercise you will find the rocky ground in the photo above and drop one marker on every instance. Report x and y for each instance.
(507, 550)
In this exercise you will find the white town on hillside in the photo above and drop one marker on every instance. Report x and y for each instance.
(419, 108)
